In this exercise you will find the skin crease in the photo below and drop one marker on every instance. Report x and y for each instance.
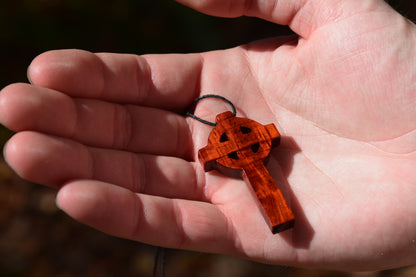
(103, 129)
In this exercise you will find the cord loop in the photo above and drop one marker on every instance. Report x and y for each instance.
(190, 114)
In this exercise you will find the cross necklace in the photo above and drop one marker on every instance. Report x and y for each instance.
(237, 147)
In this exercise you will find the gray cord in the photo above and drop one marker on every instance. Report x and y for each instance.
(188, 113)
(160, 251)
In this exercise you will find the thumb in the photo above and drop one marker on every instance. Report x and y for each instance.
(302, 16)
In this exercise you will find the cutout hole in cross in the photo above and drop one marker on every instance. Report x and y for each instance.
(255, 147)
(223, 137)
(245, 130)
(233, 155)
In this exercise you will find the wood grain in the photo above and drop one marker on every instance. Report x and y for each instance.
(238, 147)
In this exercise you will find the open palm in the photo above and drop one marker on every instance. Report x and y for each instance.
(105, 129)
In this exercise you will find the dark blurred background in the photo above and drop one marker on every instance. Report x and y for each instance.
(36, 239)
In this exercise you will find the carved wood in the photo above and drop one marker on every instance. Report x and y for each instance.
(238, 147)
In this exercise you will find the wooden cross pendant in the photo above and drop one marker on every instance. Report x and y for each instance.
(238, 147)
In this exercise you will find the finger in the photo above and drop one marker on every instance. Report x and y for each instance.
(156, 175)
(303, 16)
(167, 81)
(53, 161)
(96, 123)
(154, 220)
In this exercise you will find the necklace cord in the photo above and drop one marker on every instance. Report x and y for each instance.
(192, 115)
(160, 251)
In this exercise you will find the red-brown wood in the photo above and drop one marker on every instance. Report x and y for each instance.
(238, 147)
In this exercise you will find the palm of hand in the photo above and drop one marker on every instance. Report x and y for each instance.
(345, 162)
(354, 138)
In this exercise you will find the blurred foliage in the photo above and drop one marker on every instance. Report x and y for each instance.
(36, 239)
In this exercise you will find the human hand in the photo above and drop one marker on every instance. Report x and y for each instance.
(103, 128)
